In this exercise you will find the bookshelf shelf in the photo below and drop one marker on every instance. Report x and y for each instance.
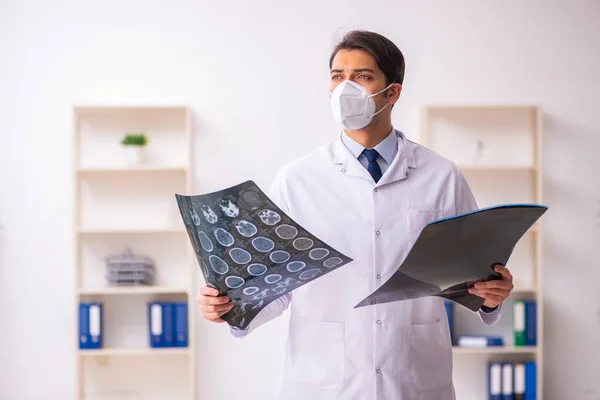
(135, 352)
(522, 289)
(496, 168)
(498, 149)
(120, 208)
(496, 350)
(131, 231)
(133, 290)
(136, 169)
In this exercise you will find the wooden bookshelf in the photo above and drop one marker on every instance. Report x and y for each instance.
(117, 206)
(498, 150)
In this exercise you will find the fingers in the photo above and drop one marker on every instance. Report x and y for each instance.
(212, 305)
(495, 284)
(208, 291)
(212, 301)
(496, 292)
(213, 317)
(214, 313)
(492, 297)
(502, 270)
(209, 296)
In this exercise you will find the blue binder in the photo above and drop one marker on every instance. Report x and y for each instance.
(507, 381)
(155, 324)
(481, 341)
(530, 323)
(495, 381)
(181, 324)
(530, 381)
(168, 325)
(90, 325)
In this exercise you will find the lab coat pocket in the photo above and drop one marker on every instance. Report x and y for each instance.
(417, 219)
(317, 352)
(430, 356)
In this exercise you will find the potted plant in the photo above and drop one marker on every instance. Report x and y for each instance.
(133, 146)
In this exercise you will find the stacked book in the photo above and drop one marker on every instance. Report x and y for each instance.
(129, 269)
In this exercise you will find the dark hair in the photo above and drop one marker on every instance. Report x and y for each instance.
(387, 55)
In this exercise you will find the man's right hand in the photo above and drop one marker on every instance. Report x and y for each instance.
(212, 305)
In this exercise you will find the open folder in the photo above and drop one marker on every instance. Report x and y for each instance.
(452, 254)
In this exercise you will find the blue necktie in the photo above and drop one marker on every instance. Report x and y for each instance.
(373, 167)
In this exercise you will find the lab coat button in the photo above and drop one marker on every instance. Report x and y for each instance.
(378, 322)
(343, 169)
(378, 233)
(378, 276)
(378, 371)
(376, 189)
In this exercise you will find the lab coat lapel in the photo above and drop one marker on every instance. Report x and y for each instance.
(398, 170)
(347, 163)
(404, 161)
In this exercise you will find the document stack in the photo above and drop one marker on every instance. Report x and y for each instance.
(168, 324)
(512, 380)
(129, 269)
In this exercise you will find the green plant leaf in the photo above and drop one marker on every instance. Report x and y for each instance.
(134, 139)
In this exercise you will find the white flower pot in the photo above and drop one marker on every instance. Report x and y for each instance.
(134, 154)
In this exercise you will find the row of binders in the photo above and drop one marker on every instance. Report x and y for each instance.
(167, 324)
(524, 327)
(512, 381)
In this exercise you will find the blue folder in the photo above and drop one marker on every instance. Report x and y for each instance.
(181, 324)
(530, 322)
(495, 380)
(168, 324)
(155, 324)
(530, 381)
(90, 325)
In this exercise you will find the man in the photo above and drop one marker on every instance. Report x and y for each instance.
(368, 193)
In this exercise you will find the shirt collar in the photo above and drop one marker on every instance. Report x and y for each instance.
(387, 148)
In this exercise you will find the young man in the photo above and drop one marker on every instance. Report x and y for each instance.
(368, 193)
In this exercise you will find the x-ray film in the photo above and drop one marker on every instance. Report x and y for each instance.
(250, 250)
(452, 254)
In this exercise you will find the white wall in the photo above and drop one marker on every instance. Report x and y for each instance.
(256, 76)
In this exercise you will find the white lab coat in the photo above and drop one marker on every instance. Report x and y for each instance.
(394, 351)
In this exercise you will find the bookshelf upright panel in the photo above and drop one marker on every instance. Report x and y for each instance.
(498, 151)
(125, 210)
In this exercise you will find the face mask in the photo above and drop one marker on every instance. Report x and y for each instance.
(353, 107)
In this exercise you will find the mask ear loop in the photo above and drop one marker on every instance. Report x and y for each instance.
(386, 104)
(382, 90)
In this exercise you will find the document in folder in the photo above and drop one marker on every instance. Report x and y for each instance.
(452, 254)
(250, 250)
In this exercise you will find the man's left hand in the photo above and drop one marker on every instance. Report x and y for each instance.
(496, 291)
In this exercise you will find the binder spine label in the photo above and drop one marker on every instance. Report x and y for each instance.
(495, 379)
(519, 322)
(155, 316)
(95, 323)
